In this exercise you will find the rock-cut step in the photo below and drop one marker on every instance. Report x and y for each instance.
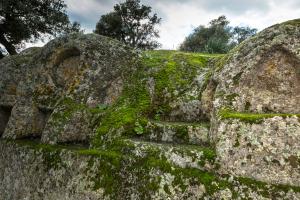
(177, 132)
(181, 155)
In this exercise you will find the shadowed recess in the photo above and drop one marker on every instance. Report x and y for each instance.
(5, 112)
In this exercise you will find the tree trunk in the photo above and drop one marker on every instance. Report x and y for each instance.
(8, 46)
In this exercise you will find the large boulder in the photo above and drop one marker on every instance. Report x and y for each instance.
(262, 74)
(94, 119)
(12, 70)
(256, 107)
(57, 89)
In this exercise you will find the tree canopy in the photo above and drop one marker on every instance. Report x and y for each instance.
(217, 37)
(131, 23)
(27, 20)
(242, 33)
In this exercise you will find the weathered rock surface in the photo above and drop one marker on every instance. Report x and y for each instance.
(268, 151)
(53, 91)
(35, 171)
(176, 132)
(256, 107)
(262, 74)
(86, 117)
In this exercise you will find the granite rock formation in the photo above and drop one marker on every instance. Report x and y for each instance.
(51, 94)
(257, 98)
(86, 117)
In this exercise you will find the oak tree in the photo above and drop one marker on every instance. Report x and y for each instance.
(131, 23)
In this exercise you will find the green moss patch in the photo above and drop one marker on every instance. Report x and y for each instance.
(267, 190)
(252, 117)
(117, 174)
(172, 72)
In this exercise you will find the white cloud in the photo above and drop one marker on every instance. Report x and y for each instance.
(179, 21)
(89, 8)
(180, 17)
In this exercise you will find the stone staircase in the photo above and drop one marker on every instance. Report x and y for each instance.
(180, 155)
(183, 144)
(177, 132)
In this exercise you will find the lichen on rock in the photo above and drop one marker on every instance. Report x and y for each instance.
(256, 106)
(87, 117)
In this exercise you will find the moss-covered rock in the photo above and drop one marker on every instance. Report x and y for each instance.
(176, 132)
(167, 86)
(255, 112)
(63, 84)
(96, 120)
(78, 173)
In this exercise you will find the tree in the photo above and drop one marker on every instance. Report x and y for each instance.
(242, 33)
(218, 37)
(28, 20)
(219, 34)
(131, 23)
(211, 39)
(111, 25)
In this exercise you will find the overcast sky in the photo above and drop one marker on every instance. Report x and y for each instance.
(179, 17)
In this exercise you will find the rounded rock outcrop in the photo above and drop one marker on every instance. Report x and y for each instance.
(256, 106)
(67, 79)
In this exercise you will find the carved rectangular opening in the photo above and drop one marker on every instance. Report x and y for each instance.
(5, 112)
(44, 114)
(39, 121)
